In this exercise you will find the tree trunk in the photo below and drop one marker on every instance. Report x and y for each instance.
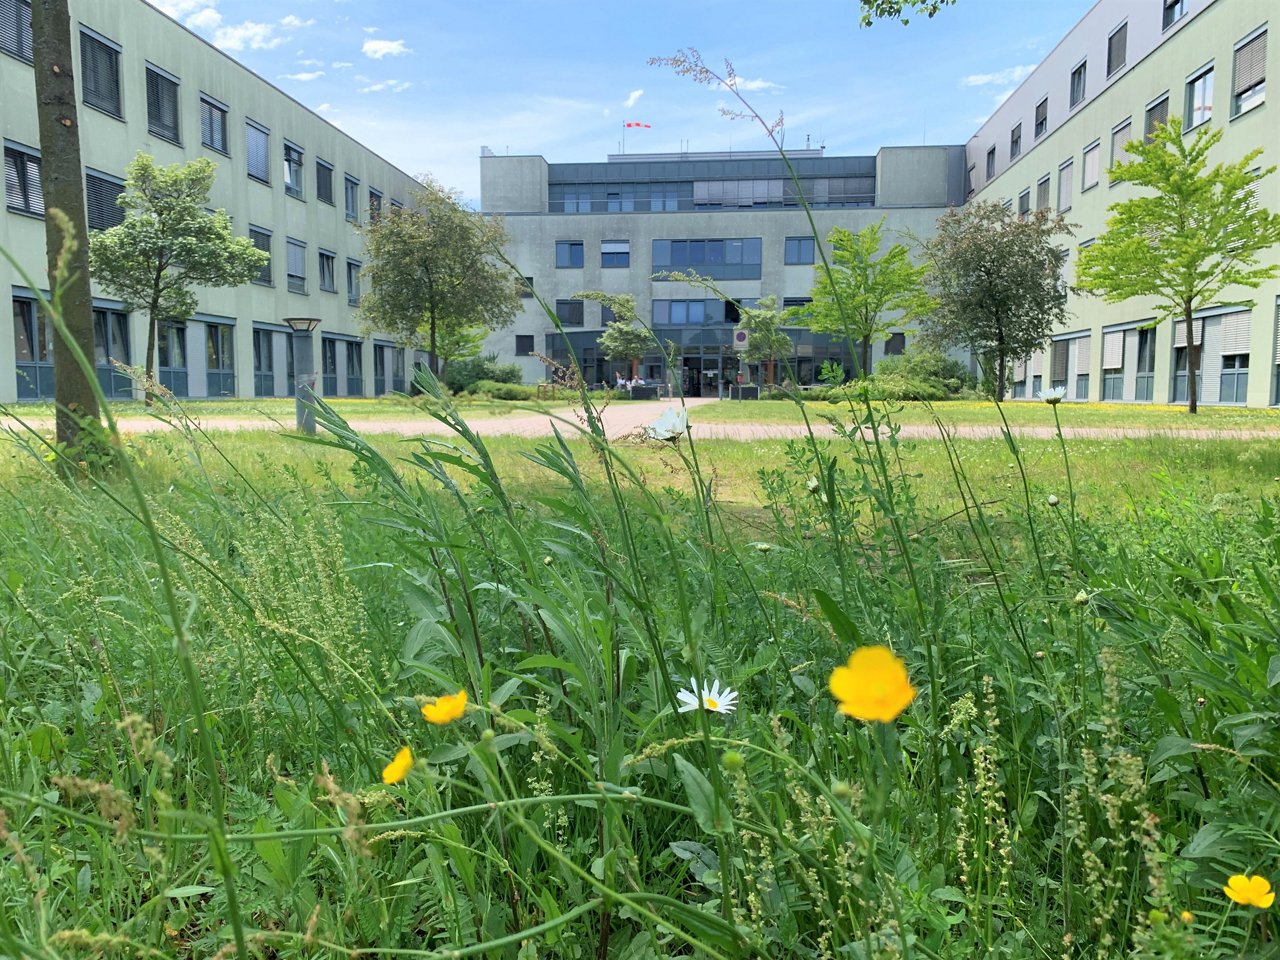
(866, 359)
(153, 328)
(1193, 358)
(62, 183)
(769, 375)
(432, 360)
(1000, 375)
(635, 367)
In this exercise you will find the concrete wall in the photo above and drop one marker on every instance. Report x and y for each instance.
(108, 144)
(513, 184)
(918, 177)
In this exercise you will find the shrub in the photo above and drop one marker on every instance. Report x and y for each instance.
(503, 391)
(929, 366)
(461, 375)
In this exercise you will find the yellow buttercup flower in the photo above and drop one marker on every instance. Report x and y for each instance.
(873, 685)
(1252, 891)
(1187, 916)
(446, 709)
(398, 769)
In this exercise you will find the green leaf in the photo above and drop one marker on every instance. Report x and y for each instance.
(708, 809)
(194, 890)
(1273, 671)
(1171, 746)
(840, 623)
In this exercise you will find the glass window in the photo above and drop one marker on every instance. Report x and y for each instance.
(324, 182)
(569, 254)
(353, 282)
(1249, 86)
(615, 253)
(33, 339)
(569, 313)
(293, 170)
(1117, 45)
(1066, 180)
(100, 195)
(328, 280)
(15, 29)
(1024, 204)
(1015, 141)
(1078, 83)
(257, 151)
(1042, 118)
(896, 345)
(1119, 137)
(798, 250)
(991, 163)
(110, 337)
(1092, 156)
(296, 256)
(100, 74)
(162, 104)
(22, 188)
(1157, 115)
(1174, 10)
(375, 204)
(524, 344)
(1042, 194)
(172, 342)
(1199, 99)
(221, 350)
(213, 124)
(262, 240)
(351, 198)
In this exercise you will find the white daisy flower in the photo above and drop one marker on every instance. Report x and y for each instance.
(711, 698)
(1053, 396)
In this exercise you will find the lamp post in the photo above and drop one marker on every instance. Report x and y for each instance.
(304, 370)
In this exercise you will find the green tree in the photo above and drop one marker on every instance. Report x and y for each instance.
(862, 285)
(997, 282)
(434, 269)
(873, 10)
(168, 244)
(1198, 233)
(459, 343)
(625, 337)
(766, 341)
(62, 188)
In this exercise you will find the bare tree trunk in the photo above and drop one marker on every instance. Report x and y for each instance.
(1193, 358)
(1000, 375)
(866, 359)
(635, 367)
(153, 326)
(432, 360)
(62, 183)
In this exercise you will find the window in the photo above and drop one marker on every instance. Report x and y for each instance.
(663, 200)
(257, 151)
(296, 265)
(1174, 10)
(526, 287)
(33, 335)
(162, 104)
(1119, 137)
(1066, 179)
(607, 316)
(1199, 107)
(1024, 204)
(100, 193)
(324, 182)
(623, 202)
(172, 343)
(328, 279)
(353, 282)
(615, 253)
(685, 312)
(568, 254)
(896, 345)
(100, 73)
(213, 123)
(292, 170)
(569, 313)
(736, 259)
(1234, 383)
(220, 350)
(524, 344)
(375, 204)
(110, 337)
(355, 370)
(1144, 377)
(1077, 84)
(1249, 88)
(262, 240)
(351, 198)
(991, 163)
(1015, 141)
(799, 250)
(15, 28)
(329, 365)
(22, 189)
(1042, 194)
(1092, 153)
(970, 175)
(577, 202)
(788, 302)
(1157, 115)
(264, 384)
(1117, 45)
(1042, 118)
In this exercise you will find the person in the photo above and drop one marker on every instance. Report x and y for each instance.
(638, 381)
(622, 382)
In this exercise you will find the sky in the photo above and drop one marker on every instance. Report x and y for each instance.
(426, 83)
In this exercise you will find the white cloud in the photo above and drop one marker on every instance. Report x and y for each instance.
(206, 19)
(306, 77)
(255, 36)
(743, 85)
(377, 49)
(395, 86)
(311, 63)
(371, 30)
(1001, 78)
(632, 98)
(293, 23)
(341, 64)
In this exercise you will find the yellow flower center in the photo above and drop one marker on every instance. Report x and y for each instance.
(711, 704)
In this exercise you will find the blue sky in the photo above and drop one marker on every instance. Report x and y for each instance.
(426, 83)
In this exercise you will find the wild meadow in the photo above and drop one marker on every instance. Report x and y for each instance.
(843, 696)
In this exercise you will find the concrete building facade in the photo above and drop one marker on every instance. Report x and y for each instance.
(291, 181)
(734, 218)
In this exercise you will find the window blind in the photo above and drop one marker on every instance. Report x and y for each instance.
(257, 151)
(100, 195)
(162, 106)
(1250, 64)
(15, 28)
(1084, 355)
(100, 74)
(1235, 332)
(1113, 350)
(1116, 49)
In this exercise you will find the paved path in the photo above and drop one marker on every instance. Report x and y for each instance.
(627, 419)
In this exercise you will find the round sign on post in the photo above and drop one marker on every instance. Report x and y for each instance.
(740, 339)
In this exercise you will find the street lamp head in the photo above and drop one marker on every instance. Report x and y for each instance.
(302, 324)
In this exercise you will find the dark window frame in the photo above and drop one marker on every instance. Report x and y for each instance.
(324, 181)
(295, 254)
(257, 162)
(799, 251)
(213, 124)
(570, 313)
(20, 44)
(525, 344)
(570, 254)
(99, 214)
(19, 163)
(256, 234)
(294, 157)
(163, 96)
(99, 55)
(332, 259)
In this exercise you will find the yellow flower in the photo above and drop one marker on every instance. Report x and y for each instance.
(873, 685)
(1252, 891)
(1187, 916)
(446, 709)
(398, 769)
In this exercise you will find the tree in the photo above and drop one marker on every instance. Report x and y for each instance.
(873, 10)
(624, 337)
(1200, 233)
(169, 244)
(434, 269)
(997, 282)
(861, 286)
(62, 187)
(766, 341)
(459, 343)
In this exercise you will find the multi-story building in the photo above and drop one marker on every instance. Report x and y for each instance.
(733, 218)
(1127, 66)
(1122, 69)
(290, 181)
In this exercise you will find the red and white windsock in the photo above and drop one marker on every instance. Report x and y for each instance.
(636, 123)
